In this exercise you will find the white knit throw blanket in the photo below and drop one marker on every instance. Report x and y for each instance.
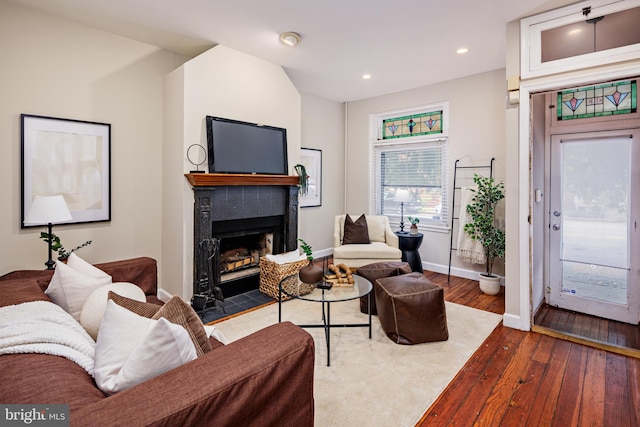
(468, 250)
(43, 327)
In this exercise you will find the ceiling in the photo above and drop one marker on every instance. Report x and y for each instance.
(402, 44)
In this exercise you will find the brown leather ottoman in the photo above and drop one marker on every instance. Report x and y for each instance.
(411, 309)
(378, 270)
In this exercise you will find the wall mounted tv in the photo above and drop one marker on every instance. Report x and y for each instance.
(242, 147)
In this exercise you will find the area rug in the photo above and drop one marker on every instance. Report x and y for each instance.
(374, 382)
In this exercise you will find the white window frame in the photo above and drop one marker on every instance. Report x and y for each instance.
(441, 139)
(531, 39)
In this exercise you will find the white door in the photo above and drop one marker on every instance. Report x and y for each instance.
(593, 223)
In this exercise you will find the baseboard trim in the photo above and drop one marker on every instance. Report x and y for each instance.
(164, 295)
(323, 253)
(455, 271)
(516, 322)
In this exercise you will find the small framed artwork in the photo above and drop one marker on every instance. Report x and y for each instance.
(311, 159)
(66, 157)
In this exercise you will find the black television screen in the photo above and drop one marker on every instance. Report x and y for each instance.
(242, 147)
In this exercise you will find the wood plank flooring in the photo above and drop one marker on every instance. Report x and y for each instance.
(590, 327)
(521, 378)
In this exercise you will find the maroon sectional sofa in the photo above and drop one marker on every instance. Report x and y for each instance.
(264, 379)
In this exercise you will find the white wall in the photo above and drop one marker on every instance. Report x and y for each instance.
(517, 270)
(538, 208)
(477, 133)
(323, 129)
(58, 68)
(225, 83)
(522, 298)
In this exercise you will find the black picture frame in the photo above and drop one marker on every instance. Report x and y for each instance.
(67, 157)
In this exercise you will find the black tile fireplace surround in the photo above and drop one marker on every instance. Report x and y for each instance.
(225, 208)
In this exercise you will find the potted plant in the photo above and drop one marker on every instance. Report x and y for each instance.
(414, 224)
(482, 227)
(310, 273)
(301, 170)
(56, 245)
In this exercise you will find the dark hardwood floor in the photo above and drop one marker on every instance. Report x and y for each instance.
(466, 292)
(521, 378)
(620, 336)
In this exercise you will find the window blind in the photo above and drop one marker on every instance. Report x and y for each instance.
(421, 168)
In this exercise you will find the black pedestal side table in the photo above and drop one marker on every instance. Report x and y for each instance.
(409, 245)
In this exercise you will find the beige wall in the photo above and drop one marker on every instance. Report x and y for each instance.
(323, 129)
(58, 68)
(62, 69)
(225, 83)
(476, 134)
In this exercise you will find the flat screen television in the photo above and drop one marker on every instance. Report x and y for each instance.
(242, 147)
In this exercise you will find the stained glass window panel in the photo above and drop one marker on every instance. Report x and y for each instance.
(429, 123)
(596, 101)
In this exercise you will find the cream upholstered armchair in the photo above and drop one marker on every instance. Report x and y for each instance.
(383, 246)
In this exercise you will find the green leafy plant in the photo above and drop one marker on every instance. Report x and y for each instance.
(56, 245)
(482, 226)
(304, 178)
(306, 249)
(413, 220)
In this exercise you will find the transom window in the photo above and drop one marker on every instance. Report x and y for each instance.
(578, 36)
(600, 100)
(410, 165)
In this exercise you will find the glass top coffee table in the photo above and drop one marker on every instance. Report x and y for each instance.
(292, 287)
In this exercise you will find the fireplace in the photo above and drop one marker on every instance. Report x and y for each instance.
(238, 219)
(239, 256)
(241, 243)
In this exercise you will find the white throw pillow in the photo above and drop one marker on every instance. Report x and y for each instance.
(132, 349)
(376, 226)
(82, 266)
(70, 289)
(93, 309)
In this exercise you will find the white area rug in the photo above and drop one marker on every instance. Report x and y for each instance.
(374, 382)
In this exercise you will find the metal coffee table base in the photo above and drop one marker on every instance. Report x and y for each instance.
(326, 322)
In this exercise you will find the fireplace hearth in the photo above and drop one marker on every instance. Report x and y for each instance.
(245, 222)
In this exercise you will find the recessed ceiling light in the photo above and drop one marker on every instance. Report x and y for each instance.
(366, 76)
(462, 50)
(290, 38)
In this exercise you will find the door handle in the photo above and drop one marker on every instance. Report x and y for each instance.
(556, 227)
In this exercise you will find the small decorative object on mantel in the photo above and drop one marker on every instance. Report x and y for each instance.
(414, 224)
(197, 155)
(301, 170)
(310, 273)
